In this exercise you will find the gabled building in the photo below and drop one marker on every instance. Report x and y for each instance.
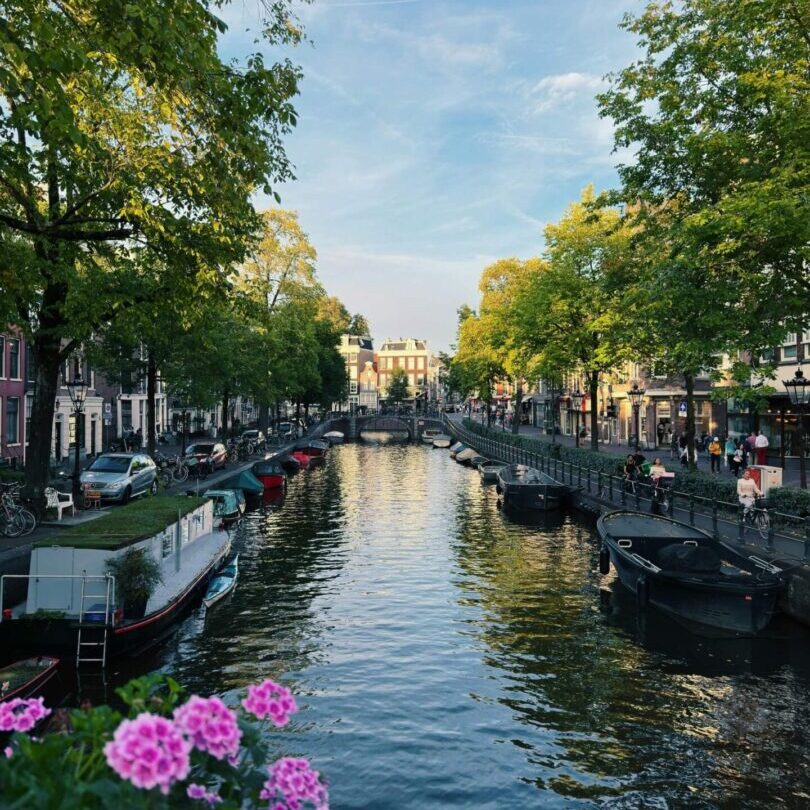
(356, 351)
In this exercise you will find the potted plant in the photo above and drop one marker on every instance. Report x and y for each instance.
(137, 574)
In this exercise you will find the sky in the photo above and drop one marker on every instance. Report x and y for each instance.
(437, 136)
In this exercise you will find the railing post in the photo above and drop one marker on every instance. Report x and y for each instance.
(610, 487)
(638, 495)
(672, 503)
(714, 519)
(769, 541)
(691, 509)
(598, 483)
(741, 523)
(624, 493)
(579, 475)
(807, 538)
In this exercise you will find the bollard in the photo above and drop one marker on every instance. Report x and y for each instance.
(769, 541)
(672, 503)
(691, 509)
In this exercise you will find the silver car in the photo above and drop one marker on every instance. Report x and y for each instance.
(120, 476)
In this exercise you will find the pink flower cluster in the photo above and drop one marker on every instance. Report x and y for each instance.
(210, 726)
(149, 751)
(20, 714)
(270, 699)
(292, 784)
(199, 792)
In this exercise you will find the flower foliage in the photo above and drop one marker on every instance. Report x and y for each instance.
(167, 750)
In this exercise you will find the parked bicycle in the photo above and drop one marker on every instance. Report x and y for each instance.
(15, 519)
(171, 469)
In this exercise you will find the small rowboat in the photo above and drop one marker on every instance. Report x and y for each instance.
(270, 473)
(227, 505)
(312, 447)
(466, 455)
(334, 437)
(291, 465)
(26, 678)
(457, 448)
(222, 584)
(526, 488)
(301, 457)
(685, 572)
(430, 434)
(442, 442)
(489, 472)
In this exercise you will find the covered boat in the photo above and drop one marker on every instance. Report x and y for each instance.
(687, 574)
(442, 441)
(489, 472)
(527, 488)
(223, 583)
(456, 448)
(228, 506)
(429, 434)
(466, 455)
(244, 480)
(334, 437)
(291, 465)
(312, 447)
(270, 473)
(27, 678)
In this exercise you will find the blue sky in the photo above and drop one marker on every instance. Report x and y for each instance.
(436, 136)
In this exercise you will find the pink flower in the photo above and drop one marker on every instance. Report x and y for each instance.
(199, 792)
(209, 725)
(293, 784)
(270, 699)
(22, 714)
(149, 751)
(8, 752)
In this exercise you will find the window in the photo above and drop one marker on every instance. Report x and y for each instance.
(411, 362)
(352, 358)
(789, 352)
(13, 420)
(2, 356)
(353, 387)
(14, 359)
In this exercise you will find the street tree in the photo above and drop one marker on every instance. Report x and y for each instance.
(122, 126)
(398, 388)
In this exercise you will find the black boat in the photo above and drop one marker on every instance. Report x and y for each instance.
(289, 464)
(686, 573)
(526, 488)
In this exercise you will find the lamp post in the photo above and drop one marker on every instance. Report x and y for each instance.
(576, 400)
(636, 395)
(77, 388)
(798, 389)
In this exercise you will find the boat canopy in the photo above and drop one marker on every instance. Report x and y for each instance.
(635, 526)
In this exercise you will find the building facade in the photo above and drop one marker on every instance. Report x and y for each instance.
(415, 358)
(12, 397)
(356, 352)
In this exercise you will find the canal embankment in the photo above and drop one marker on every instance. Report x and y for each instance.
(786, 544)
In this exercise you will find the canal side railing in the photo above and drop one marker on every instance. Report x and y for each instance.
(786, 535)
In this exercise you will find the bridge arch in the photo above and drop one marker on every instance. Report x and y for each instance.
(387, 424)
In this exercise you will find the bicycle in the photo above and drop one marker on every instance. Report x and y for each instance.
(756, 516)
(18, 521)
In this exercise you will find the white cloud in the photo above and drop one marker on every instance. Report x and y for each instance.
(562, 89)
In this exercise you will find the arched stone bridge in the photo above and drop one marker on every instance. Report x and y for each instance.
(353, 426)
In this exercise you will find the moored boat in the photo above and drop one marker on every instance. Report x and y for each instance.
(429, 434)
(456, 448)
(244, 480)
(442, 442)
(289, 464)
(312, 447)
(334, 437)
(27, 678)
(466, 455)
(270, 473)
(302, 458)
(527, 488)
(222, 583)
(687, 574)
(227, 505)
(489, 472)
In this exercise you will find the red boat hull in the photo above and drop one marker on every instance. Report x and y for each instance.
(301, 457)
(272, 480)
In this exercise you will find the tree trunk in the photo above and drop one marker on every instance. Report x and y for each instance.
(151, 387)
(45, 353)
(264, 418)
(553, 417)
(518, 402)
(226, 401)
(689, 383)
(593, 384)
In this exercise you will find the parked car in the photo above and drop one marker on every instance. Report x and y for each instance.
(120, 476)
(253, 435)
(214, 454)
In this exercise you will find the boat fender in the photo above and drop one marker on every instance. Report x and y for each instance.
(604, 560)
(642, 592)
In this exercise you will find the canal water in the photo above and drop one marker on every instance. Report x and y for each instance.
(445, 656)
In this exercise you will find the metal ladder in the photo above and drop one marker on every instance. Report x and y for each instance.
(88, 651)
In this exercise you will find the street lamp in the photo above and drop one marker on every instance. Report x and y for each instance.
(636, 395)
(77, 388)
(798, 389)
(576, 399)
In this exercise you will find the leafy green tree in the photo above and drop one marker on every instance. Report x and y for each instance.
(358, 325)
(122, 125)
(398, 388)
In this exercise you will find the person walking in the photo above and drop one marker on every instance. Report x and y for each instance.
(750, 447)
(761, 443)
(731, 448)
(715, 454)
(738, 460)
(674, 447)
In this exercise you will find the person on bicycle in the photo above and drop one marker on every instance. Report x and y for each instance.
(630, 472)
(657, 470)
(748, 491)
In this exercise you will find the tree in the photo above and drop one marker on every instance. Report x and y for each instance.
(358, 325)
(123, 126)
(717, 115)
(567, 315)
(398, 388)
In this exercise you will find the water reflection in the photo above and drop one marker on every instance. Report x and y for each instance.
(447, 655)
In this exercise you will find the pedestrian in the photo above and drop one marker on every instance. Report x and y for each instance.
(630, 473)
(731, 447)
(661, 431)
(673, 446)
(750, 447)
(715, 454)
(747, 491)
(761, 443)
(738, 460)
(684, 456)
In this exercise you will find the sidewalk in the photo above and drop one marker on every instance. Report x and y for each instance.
(790, 476)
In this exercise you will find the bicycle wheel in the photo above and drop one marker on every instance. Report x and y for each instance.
(762, 521)
(29, 521)
(13, 525)
(180, 473)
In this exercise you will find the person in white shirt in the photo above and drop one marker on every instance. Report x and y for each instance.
(747, 490)
(657, 469)
(761, 443)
